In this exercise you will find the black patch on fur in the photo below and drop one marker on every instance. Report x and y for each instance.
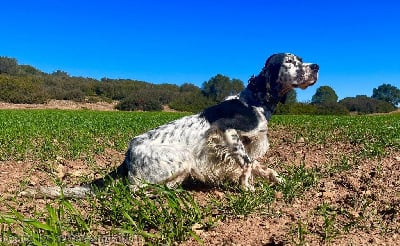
(231, 114)
(245, 140)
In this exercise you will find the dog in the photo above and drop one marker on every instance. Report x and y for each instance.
(221, 143)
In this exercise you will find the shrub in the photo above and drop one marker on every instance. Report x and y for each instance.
(136, 102)
(311, 109)
(295, 109)
(331, 109)
(74, 95)
(190, 102)
(22, 90)
(366, 105)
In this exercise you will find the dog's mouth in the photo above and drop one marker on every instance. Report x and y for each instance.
(307, 77)
(306, 83)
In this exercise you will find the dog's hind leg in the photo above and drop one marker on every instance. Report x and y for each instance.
(158, 164)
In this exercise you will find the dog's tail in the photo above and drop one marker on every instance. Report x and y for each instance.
(81, 191)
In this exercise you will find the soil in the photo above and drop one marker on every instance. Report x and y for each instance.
(62, 104)
(364, 200)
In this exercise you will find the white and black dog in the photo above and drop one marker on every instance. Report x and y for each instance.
(222, 142)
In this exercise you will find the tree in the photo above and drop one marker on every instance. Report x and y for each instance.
(220, 86)
(291, 97)
(388, 93)
(332, 108)
(296, 108)
(29, 70)
(190, 101)
(236, 86)
(60, 73)
(324, 95)
(144, 101)
(189, 87)
(366, 105)
(27, 89)
(8, 65)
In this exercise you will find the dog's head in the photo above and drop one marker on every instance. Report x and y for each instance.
(281, 73)
(290, 71)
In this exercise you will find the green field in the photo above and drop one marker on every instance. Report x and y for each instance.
(46, 134)
(170, 215)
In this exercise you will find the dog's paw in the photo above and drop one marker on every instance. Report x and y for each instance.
(274, 177)
(279, 180)
(248, 188)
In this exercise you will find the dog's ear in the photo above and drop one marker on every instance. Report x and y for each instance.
(272, 67)
(273, 73)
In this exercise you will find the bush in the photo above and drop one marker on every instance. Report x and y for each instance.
(190, 102)
(22, 90)
(311, 109)
(136, 102)
(295, 109)
(331, 109)
(366, 105)
(74, 95)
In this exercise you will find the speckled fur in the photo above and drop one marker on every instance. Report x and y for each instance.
(222, 142)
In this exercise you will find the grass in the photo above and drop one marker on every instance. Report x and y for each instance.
(156, 214)
(239, 202)
(297, 181)
(48, 134)
(373, 133)
(57, 224)
(299, 231)
(329, 216)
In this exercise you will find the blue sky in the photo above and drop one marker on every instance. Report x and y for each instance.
(356, 43)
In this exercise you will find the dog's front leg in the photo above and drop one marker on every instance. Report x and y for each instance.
(246, 179)
(238, 151)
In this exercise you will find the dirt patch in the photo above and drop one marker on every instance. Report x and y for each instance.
(358, 206)
(17, 175)
(72, 105)
(355, 202)
(63, 104)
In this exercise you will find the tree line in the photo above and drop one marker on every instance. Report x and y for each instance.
(26, 84)
(384, 99)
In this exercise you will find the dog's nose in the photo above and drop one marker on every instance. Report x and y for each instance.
(314, 67)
